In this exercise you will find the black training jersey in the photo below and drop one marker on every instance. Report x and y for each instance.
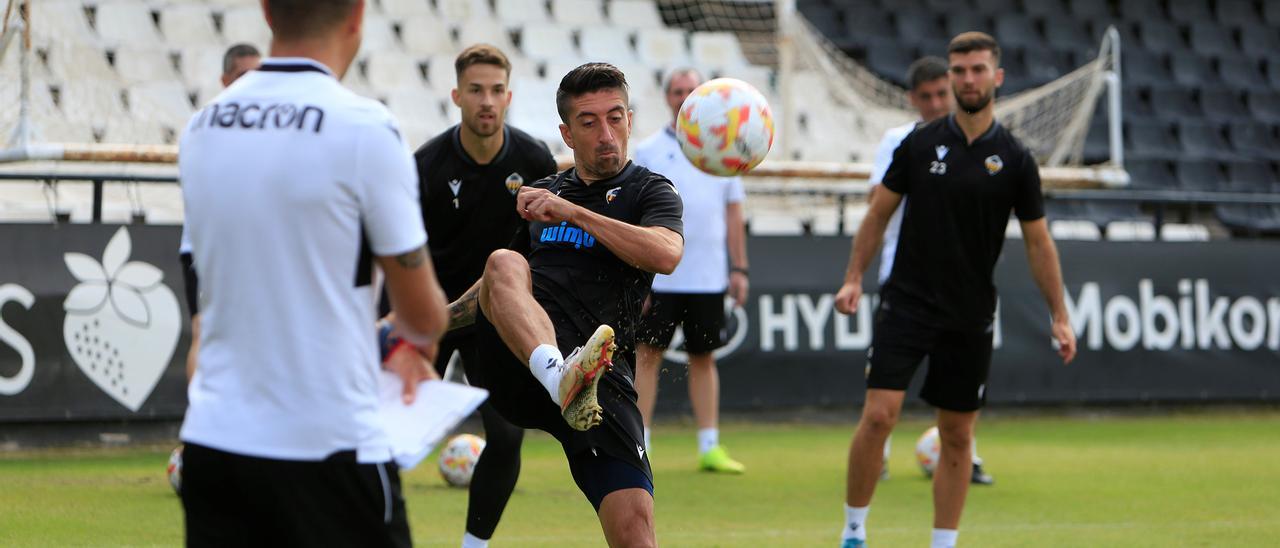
(959, 196)
(579, 281)
(470, 209)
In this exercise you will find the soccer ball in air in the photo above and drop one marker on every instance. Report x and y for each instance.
(928, 450)
(725, 127)
(174, 470)
(458, 459)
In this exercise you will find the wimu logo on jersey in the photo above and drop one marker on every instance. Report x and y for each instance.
(563, 233)
(253, 116)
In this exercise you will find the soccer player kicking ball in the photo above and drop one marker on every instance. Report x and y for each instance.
(596, 235)
(963, 174)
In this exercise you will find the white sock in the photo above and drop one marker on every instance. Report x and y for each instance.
(887, 442)
(944, 538)
(472, 541)
(547, 365)
(708, 438)
(855, 523)
(974, 445)
(646, 439)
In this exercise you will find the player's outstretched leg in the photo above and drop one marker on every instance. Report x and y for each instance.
(495, 474)
(506, 297)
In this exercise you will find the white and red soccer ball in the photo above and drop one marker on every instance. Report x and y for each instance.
(928, 451)
(725, 127)
(458, 459)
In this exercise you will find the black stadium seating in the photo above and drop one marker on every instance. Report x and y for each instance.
(1201, 79)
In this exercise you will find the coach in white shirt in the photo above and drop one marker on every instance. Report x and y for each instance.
(294, 189)
(693, 295)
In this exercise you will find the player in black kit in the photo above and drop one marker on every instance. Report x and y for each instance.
(596, 235)
(964, 174)
(470, 175)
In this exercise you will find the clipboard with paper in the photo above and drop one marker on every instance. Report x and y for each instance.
(414, 430)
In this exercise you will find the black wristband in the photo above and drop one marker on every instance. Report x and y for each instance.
(740, 270)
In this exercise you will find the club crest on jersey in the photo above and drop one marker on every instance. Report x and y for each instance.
(941, 151)
(994, 164)
(514, 182)
(609, 196)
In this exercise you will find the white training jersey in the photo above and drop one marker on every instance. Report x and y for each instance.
(705, 265)
(292, 185)
(884, 156)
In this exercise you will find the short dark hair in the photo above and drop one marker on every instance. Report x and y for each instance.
(481, 54)
(291, 19)
(925, 69)
(666, 82)
(585, 79)
(966, 42)
(235, 53)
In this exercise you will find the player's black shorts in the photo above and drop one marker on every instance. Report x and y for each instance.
(524, 402)
(235, 500)
(463, 341)
(959, 361)
(701, 314)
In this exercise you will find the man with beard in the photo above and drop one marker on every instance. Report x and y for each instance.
(596, 235)
(964, 173)
(930, 94)
(469, 176)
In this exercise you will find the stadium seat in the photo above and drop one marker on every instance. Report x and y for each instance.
(1273, 73)
(127, 23)
(1223, 105)
(404, 9)
(1249, 218)
(1177, 232)
(1046, 9)
(546, 42)
(1130, 231)
(1106, 213)
(1265, 105)
(1151, 139)
(1254, 139)
(1159, 36)
(1144, 68)
(189, 25)
(137, 65)
(1097, 144)
(246, 25)
(1236, 12)
(135, 132)
(1199, 174)
(1174, 104)
(1242, 73)
(890, 61)
(1202, 139)
(1134, 105)
(716, 49)
(996, 8)
(1092, 10)
(417, 107)
(164, 102)
(964, 21)
(607, 44)
(463, 10)
(390, 70)
(824, 18)
(1018, 31)
(866, 28)
(1250, 176)
(379, 36)
(1209, 38)
(61, 21)
(1068, 35)
(522, 12)
(1191, 70)
(441, 74)
(662, 47)
(200, 65)
(634, 14)
(578, 12)
(1045, 65)
(1258, 40)
(1141, 10)
(1271, 13)
(915, 27)
(1075, 230)
(1150, 174)
(426, 35)
(1190, 11)
(91, 102)
(532, 108)
(473, 31)
(70, 61)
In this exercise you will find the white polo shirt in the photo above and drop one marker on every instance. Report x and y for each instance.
(705, 265)
(884, 156)
(292, 184)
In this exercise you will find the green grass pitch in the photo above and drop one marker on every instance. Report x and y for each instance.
(1202, 479)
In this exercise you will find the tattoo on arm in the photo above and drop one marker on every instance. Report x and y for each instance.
(412, 259)
(462, 312)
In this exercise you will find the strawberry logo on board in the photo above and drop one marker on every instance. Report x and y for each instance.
(122, 323)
